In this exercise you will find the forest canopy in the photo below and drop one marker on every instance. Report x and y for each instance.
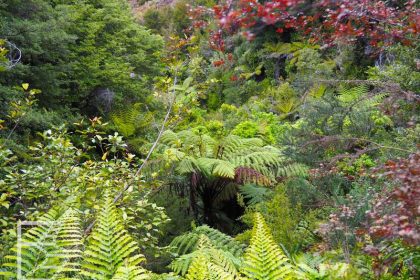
(228, 139)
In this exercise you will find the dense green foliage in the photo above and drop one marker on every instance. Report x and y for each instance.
(176, 140)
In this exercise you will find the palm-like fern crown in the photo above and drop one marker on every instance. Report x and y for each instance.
(109, 245)
(242, 159)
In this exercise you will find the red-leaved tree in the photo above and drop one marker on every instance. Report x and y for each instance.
(396, 214)
(327, 22)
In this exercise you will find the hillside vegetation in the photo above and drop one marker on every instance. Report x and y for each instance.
(198, 140)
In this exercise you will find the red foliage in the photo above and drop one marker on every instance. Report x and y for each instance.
(233, 78)
(396, 214)
(326, 21)
(248, 175)
(218, 63)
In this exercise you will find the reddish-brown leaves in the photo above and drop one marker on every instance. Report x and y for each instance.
(326, 22)
(396, 214)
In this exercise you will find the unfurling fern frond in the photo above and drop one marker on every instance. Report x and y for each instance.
(264, 259)
(109, 245)
(187, 243)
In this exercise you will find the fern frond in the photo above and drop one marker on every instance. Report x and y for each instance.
(51, 249)
(129, 272)
(198, 269)
(259, 159)
(246, 175)
(293, 170)
(207, 262)
(188, 242)
(188, 165)
(170, 139)
(109, 245)
(264, 259)
(127, 119)
(69, 239)
(254, 193)
(216, 167)
(352, 94)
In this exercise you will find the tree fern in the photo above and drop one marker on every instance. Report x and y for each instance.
(263, 259)
(200, 153)
(109, 245)
(213, 166)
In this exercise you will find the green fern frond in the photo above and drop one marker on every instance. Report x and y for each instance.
(259, 158)
(216, 167)
(218, 273)
(207, 262)
(293, 170)
(198, 269)
(170, 138)
(188, 165)
(264, 259)
(126, 120)
(233, 143)
(254, 194)
(352, 94)
(51, 249)
(69, 240)
(109, 245)
(129, 272)
(187, 243)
